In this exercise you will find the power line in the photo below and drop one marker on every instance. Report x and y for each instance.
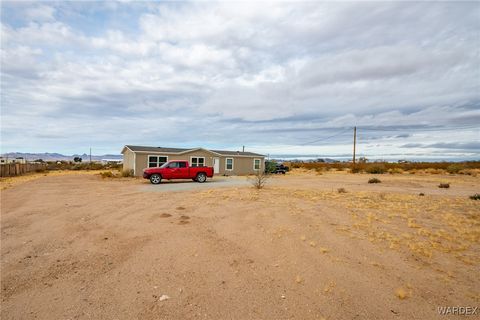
(326, 138)
(371, 130)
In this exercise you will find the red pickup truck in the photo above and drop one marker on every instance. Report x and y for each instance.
(177, 169)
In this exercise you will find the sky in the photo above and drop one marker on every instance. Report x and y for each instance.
(286, 79)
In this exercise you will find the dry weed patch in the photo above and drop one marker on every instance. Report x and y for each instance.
(424, 226)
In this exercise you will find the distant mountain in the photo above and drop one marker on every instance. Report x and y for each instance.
(58, 156)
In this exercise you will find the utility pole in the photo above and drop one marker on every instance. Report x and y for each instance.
(354, 144)
(91, 155)
(243, 149)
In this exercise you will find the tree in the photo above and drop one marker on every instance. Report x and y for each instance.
(77, 159)
(270, 166)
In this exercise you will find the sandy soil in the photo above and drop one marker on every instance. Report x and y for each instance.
(82, 247)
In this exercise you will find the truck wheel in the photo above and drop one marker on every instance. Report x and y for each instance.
(201, 177)
(155, 178)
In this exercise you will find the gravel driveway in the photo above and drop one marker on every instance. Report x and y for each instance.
(182, 185)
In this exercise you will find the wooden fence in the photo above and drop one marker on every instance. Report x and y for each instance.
(17, 169)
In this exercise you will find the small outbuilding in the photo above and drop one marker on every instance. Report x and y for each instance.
(224, 162)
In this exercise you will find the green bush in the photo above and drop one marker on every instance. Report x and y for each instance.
(454, 168)
(270, 166)
(376, 169)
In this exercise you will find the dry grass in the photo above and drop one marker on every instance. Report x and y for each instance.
(401, 293)
(468, 168)
(427, 229)
(107, 174)
(127, 173)
(8, 182)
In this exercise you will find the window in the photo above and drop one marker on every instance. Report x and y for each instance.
(156, 161)
(177, 164)
(256, 164)
(229, 164)
(174, 165)
(197, 162)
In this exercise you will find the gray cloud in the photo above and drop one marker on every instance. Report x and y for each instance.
(467, 146)
(473, 146)
(272, 76)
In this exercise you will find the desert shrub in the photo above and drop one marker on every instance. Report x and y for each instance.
(43, 169)
(454, 168)
(434, 171)
(260, 179)
(114, 166)
(394, 167)
(374, 180)
(421, 194)
(444, 185)
(476, 196)
(376, 169)
(341, 190)
(127, 173)
(469, 172)
(70, 165)
(319, 170)
(95, 166)
(107, 174)
(395, 170)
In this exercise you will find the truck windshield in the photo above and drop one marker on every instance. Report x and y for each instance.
(164, 165)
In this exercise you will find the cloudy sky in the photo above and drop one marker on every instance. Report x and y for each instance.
(284, 78)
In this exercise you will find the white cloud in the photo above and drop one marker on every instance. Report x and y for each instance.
(41, 13)
(243, 72)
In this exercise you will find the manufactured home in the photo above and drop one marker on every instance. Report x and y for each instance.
(224, 162)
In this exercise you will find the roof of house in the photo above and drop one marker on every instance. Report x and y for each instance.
(183, 150)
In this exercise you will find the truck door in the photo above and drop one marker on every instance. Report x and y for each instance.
(177, 170)
(169, 171)
(182, 170)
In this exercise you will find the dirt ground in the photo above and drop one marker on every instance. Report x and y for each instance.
(76, 246)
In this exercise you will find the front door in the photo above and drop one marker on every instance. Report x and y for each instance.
(216, 165)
